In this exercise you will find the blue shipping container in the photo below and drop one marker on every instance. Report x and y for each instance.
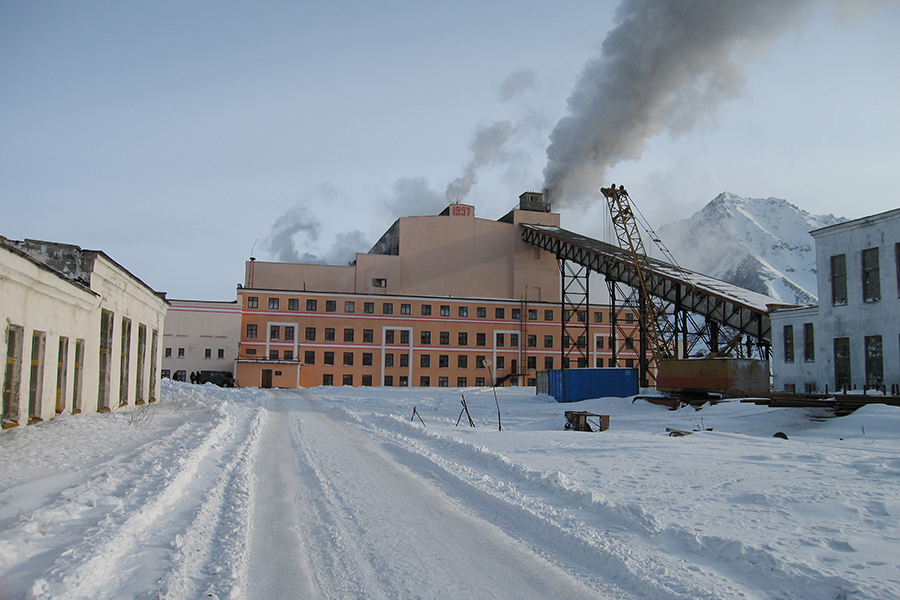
(572, 385)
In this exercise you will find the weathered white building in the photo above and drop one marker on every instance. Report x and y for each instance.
(80, 332)
(200, 336)
(851, 340)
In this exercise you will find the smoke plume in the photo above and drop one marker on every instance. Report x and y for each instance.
(666, 65)
(486, 147)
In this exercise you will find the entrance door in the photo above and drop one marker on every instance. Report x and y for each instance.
(266, 378)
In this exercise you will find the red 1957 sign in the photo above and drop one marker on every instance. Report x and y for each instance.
(460, 210)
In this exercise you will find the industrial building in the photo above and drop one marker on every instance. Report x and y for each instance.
(81, 333)
(444, 300)
(851, 340)
(200, 336)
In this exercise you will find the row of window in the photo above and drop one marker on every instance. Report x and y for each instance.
(387, 308)
(874, 365)
(278, 332)
(809, 343)
(403, 380)
(871, 276)
(207, 353)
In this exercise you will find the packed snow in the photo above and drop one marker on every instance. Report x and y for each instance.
(339, 492)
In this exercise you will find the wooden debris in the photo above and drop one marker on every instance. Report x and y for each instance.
(677, 432)
(578, 420)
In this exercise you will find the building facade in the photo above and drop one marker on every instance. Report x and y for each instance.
(851, 340)
(446, 300)
(81, 333)
(200, 336)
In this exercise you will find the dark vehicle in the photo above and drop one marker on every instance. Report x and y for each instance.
(219, 378)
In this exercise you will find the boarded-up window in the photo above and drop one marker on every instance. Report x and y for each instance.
(106, 326)
(841, 364)
(839, 279)
(874, 362)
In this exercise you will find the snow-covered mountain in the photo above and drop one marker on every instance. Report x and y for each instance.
(759, 244)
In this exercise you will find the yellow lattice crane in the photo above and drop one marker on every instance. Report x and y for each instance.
(653, 318)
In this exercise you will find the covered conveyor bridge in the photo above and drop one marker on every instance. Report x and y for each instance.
(744, 311)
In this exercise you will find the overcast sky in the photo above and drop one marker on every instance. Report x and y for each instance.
(179, 137)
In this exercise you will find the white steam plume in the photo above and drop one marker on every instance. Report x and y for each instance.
(486, 147)
(666, 64)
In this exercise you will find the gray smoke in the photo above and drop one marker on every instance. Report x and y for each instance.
(486, 147)
(666, 65)
(413, 196)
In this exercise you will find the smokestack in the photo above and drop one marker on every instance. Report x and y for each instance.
(666, 65)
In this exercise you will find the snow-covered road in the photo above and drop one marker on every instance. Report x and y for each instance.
(335, 493)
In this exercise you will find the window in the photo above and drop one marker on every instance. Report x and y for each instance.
(368, 336)
(463, 338)
(251, 334)
(404, 361)
(329, 334)
(424, 381)
(388, 380)
(404, 336)
(839, 279)
(479, 361)
(809, 343)
(288, 355)
(168, 353)
(514, 340)
(499, 313)
(252, 302)
(788, 343)
(387, 308)
(481, 312)
(330, 305)
(273, 354)
(566, 340)
(443, 382)
(221, 353)
(462, 361)
(425, 361)
(532, 314)
(389, 360)
(36, 388)
(367, 359)
(629, 343)
(309, 357)
(480, 339)
(426, 338)
(501, 363)
(293, 304)
(479, 381)
(582, 316)
(874, 363)
(897, 265)
(462, 382)
(349, 335)
(444, 361)
(629, 363)
(790, 388)
(165, 373)
(251, 351)
(445, 338)
(207, 353)
(599, 362)
(598, 317)
(348, 359)
(274, 332)
(548, 341)
(612, 362)
(389, 336)
(629, 317)
(369, 308)
(310, 334)
(289, 333)
(463, 311)
(347, 379)
(311, 305)
(379, 282)
(871, 276)
(532, 341)
(367, 380)
(548, 315)
(349, 306)
(328, 358)
(599, 342)
(273, 303)
(841, 364)
(532, 363)
(500, 340)
(327, 379)
(405, 309)
(445, 310)
(426, 310)
(517, 314)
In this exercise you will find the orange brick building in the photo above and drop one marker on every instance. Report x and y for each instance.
(446, 300)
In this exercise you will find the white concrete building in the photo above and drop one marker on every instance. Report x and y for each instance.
(80, 332)
(851, 340)
(200, 336)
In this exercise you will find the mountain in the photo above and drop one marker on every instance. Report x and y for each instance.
(763, 245)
